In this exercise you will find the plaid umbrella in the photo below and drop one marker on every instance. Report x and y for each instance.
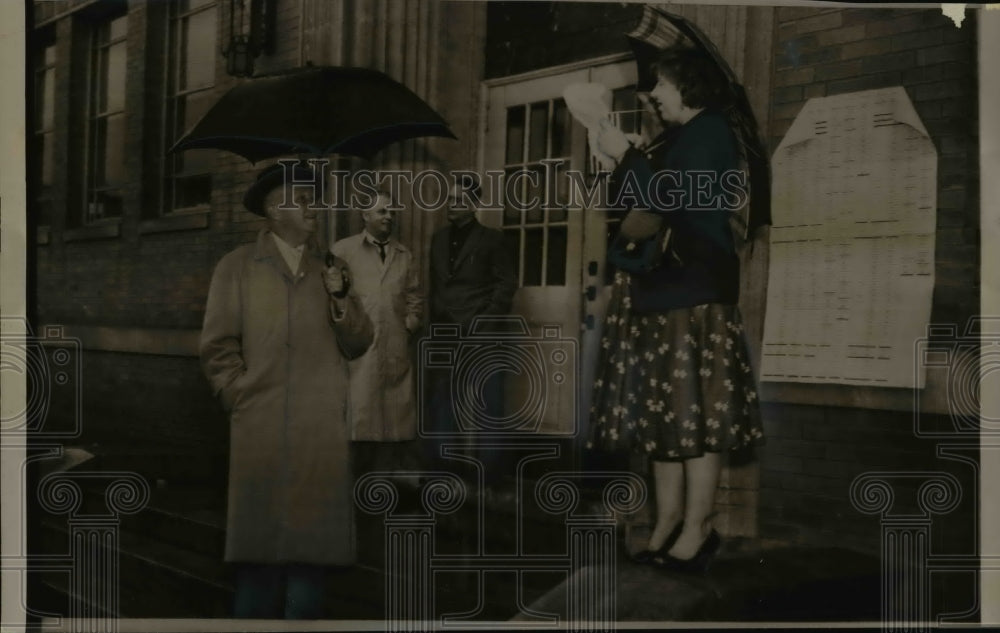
(659, 30)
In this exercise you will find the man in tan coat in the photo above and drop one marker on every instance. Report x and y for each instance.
(279, 327)
(386, 277)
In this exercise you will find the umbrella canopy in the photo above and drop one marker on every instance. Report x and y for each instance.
(659, 30)
(314, 110)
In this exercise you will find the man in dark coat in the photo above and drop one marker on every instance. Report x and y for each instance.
(279, 328)
(472, 274)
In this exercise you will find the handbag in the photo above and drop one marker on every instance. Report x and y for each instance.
(642, 244)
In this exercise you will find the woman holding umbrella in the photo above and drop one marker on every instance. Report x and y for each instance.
(675, 382)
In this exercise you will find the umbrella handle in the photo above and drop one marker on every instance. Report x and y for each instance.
(330, 262)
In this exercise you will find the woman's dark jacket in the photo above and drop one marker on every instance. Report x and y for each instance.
(701, 235)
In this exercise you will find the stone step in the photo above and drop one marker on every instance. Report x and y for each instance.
(155, 579)
(744, 583)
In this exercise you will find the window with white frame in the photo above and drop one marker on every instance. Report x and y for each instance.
(44, 128)
(106, 124)
(192, 53)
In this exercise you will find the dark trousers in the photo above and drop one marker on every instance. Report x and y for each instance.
(469, 438)
(271, 592)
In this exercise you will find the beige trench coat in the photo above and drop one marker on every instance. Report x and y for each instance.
(383, 394)
(276, 359)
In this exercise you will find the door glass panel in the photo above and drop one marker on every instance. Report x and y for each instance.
(513, 239)
(539, 127)
(562, 125)
(533, 202)
(536, 191)
(515, 134)
(555, 274)
(533, 250)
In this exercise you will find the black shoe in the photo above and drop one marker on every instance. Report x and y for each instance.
(698, 564)
(646, 556)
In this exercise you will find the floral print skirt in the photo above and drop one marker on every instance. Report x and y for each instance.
(673, 385)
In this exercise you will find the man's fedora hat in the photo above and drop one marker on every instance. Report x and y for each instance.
(273, 177)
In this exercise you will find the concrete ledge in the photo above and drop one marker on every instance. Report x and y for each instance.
(164, 342)
(101, 231)
(176, 222)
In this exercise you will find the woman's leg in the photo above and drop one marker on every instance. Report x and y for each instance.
(701, 475)
(668, 481)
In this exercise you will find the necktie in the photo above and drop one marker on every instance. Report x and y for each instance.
(381, 249)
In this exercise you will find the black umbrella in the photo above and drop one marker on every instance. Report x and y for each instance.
(659, 30)
(314, 110)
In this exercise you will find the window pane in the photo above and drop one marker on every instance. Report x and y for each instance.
(536, 195)
(555, 270)
(624, 99)
(48, 98)
(115, 77)
(47, 159)
(515, 134)
(539, 130)
(511, 216)
(118, 28)
(50, 55)
(191, 108)
(105, 205)
(513, 239)
(192, 190)
(100, 81)
(559, 192)
(533, 257)
(44, 208)
(562, 125)
(114, 152)
(37, 167)
(198, 65)
(513, 194)
(628, 110)
(196, 161)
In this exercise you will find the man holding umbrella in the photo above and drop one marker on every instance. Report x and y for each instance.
(279, 328)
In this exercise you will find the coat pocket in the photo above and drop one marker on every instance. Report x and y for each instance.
(232, 394)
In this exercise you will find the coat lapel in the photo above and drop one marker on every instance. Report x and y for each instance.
(267, 250)
(470, 246)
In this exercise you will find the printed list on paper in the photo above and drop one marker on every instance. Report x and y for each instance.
(852, 244)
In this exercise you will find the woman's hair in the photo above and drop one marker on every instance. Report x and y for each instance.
(697, 76)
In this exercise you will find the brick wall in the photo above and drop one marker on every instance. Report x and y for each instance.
(523, 36)
(150, 275)
(814, 453)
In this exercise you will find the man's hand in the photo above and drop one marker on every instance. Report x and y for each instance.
(412, 323)
(337, 281)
